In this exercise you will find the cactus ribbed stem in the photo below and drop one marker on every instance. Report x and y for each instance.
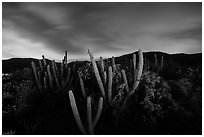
(125, 80)
(162, 62)
(45, 82)
(98, 78)
(66, 59)
(134, 67)
(76, 113)
(99, 110)
(55, 74)
(89, 116)
(50, 77)
(113, 64)
(44, 61)
(61, 70)
(35, 75)
(139, 74)
(110, 76)
(40, 64)
(67, 78)
(105, 77)
(82, 85)
(101, 69)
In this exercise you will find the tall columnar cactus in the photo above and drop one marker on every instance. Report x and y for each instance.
(113, 64)
(76, 113)
(82, 85)
(35, 75)
(110, 77)
(137, 75)
(101, 70)
(162, 63)
(49, 73)
(91, 123)
(98, 78)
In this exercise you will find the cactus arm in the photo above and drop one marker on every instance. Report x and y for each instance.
(139, 74)
(113, 64)
(45, 82)
(110, 76)
(98, 78)
(44, 61)
(65, 83)
(162, 62)
(55, 74)
(82, 85)
(39, 77)
(99, 110)
(101, 69)
(134, 68)
(35, 75)
(66, 59)
(40, 64)
(50, 77)
(61, 72)
(105, 77)
(89, 116)
(76, 113)
(125, 80)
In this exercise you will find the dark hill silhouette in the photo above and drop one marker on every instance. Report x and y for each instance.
(13, 64)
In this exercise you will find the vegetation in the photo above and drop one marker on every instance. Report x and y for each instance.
(103, 97)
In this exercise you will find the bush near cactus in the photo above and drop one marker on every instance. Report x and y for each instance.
(105, 97)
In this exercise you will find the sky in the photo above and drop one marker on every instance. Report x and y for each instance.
(30, 30)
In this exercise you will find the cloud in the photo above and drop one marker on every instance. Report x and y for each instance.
(106, 28)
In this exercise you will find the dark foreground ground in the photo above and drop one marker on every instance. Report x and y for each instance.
(167, 101)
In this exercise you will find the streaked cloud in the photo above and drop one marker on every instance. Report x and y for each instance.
(106, 28)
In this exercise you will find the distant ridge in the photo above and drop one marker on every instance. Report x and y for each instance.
(13, 64)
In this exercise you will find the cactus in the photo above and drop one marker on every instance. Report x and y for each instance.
(125, 80)
(76, 113)
(101, 70)
(138, 74)
(49, 73)
(99, 110)
(89, 116)
(113, 64)
(35, 75)
(98, 78)
(110, 76)
(162, 63)
(134, 67)
(91, 124)
(44, 61)
(55, 74)
(82, 85)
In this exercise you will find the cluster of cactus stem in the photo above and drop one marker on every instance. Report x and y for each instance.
(44, 78)
(158, 65)
(91, 123)
(105, 80)
(49, 76)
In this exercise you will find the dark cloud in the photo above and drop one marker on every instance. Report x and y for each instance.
(194, 33)
(104, 27)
